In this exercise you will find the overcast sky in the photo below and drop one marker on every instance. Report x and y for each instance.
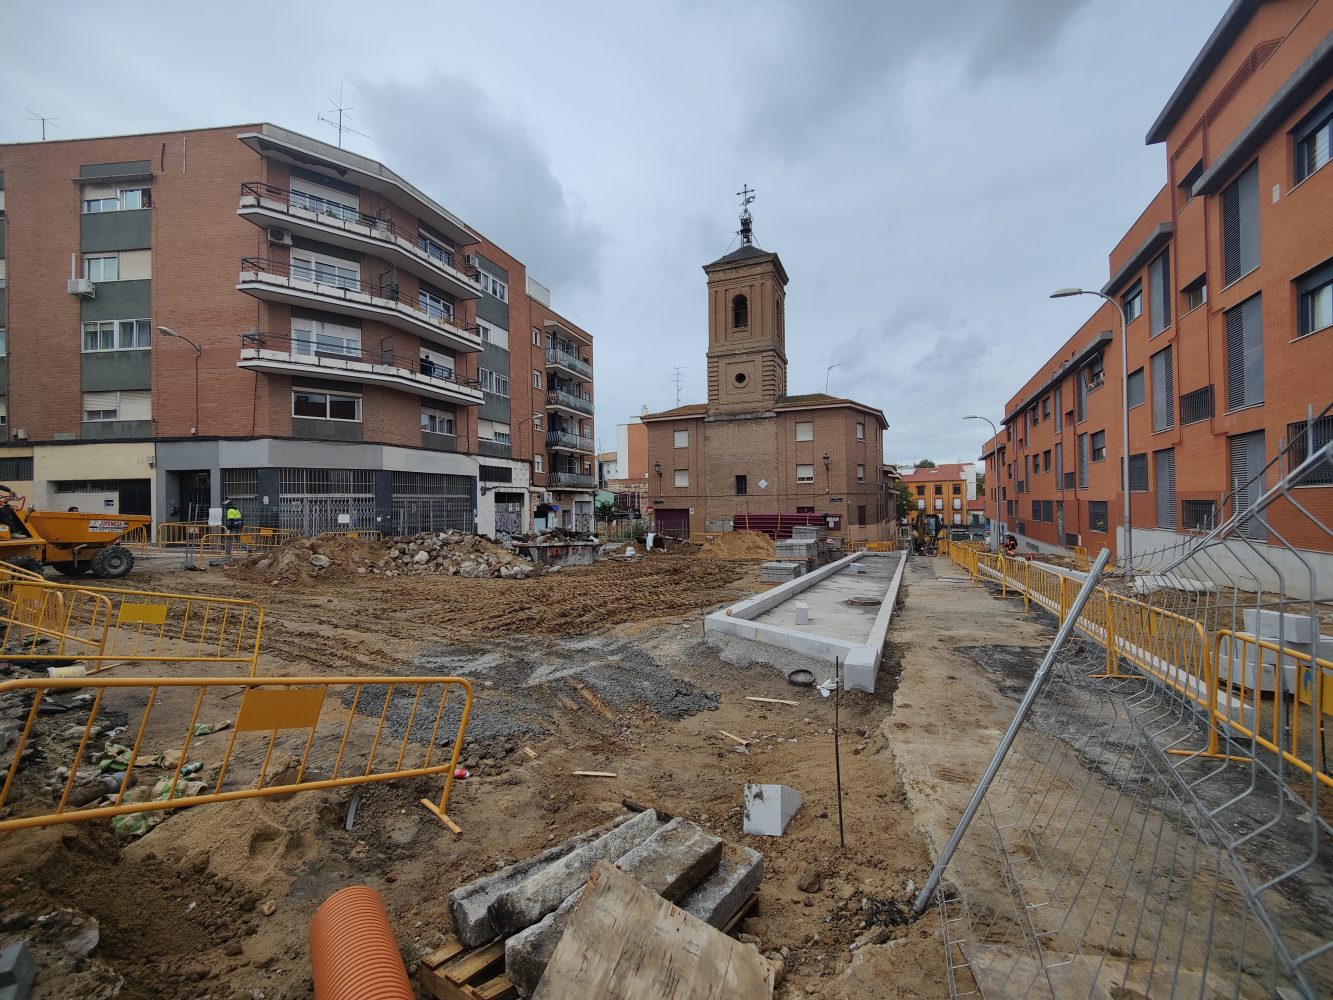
(928, 171)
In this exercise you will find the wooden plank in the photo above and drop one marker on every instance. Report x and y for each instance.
(597, 774)
(531, 753)
(439, 987)
(442, 954)
(463, 968)
(771, 701)
(624, 942)
(741, 914)
(499, 988)
(733, 736)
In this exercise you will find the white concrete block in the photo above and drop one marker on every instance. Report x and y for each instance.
(769, 808)
(860, 668)
(802, 612)
(1294, 628)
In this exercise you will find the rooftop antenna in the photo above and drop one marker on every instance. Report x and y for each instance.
(678, 376)
(342, 110)
(746, 232)
(33, 116)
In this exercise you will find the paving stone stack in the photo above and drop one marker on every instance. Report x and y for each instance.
(802, 551)
(779, 572)
(530, 902)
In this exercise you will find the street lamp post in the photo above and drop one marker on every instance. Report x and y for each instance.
(995, 431)
(167, 331)
(1063, 293)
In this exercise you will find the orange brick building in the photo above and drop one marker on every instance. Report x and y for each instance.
(1226, 281)
(945, 490)
(340, 348)
(753, 448)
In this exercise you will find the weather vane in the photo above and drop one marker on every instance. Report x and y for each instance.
(746, 195)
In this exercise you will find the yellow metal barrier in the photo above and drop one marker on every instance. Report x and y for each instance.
(181, 532)
(338, 741)
(138, 538)
(1079, 554)
(246, 542)
(104, 626)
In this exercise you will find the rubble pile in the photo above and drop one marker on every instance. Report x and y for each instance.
(445, 553)
(456, 554)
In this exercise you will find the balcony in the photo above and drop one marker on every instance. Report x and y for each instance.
(328, 222)
(280, 354)
(565, 441)
(494, 449)
(569, 362)
(558, 399)
(558, 479)
(278, 281)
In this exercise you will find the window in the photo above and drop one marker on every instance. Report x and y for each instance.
(680, 439)
(4, 343)
(1159, 291)
(117, 335)
(324, 200)
(536, 380)
(102, 268)
(1059, 463)
(493, 382)
(1132, 302)
(1059, 395)
(1036, 510)
(1196, 293)
(1134, 388)
(324, 270)
(861, 514)
(492, 285)
(434, 306)
(1304, 438)
(921, 505)
(742, 486)
(536, 337)
(1313, 140)
(1240, 226)
(682, 477)
(939, 504)
(122, 200)
(1196, 405)
(1315, 290)
(740, 312)
(536, 421)
(1198, 515)
(1097, 516)
(957, 489)
(325, 405)
(1047, 511)
(860, 430)
(1046, 460)
(805, 473)
(1245, 354)
(957, 503)
(805, 430)
(1164, 476)
(124, 405)
(437, 421)
(860, 473)
(1099, 446)
(536, 463)
(15, 468)
(1187, 182)
(315, 336)
(1163, 391)
(939, 490)
(920, 491)
(1138, 473)
(1083, 461)
(1246, 452)
(1046, 408)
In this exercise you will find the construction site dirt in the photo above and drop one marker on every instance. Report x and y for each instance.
(600, 669)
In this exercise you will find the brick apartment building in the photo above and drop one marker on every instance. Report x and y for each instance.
(363, 356)
(946, 490)
(753, 448)
(1227, 283)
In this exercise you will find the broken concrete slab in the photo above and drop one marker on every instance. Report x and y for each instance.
(671, 862)
(720, 896)
(469, 905)
(769, 808)
(18, 969)
(524, 903)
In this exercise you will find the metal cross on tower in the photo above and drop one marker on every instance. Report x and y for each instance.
(746, 195)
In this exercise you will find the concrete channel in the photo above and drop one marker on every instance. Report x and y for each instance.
(839, 612)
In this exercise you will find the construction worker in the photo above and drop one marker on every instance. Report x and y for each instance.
(233, 521)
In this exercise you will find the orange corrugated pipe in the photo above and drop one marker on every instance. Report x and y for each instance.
(352, 949)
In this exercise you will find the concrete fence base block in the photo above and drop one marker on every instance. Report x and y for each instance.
(769, 808)
(802, 611)
(859, 670)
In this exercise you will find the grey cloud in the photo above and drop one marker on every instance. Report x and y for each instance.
(488, 168)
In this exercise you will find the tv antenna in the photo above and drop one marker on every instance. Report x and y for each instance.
(342, 110)
(33, 116)
(746, 232)
(678, 376)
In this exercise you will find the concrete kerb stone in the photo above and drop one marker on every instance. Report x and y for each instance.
(671, 862)
(523, 904)
(757, 605)
(469, 905)
(769, 808)
(861, 667)
(720, 896)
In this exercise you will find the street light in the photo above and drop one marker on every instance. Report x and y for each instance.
(167, 331)
(996, 485)
(1064, 293)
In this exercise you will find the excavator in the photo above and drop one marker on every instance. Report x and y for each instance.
(73, 542)
(926, 529)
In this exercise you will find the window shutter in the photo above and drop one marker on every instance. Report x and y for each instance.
(1159, 282)
(1231, 234)
(1083, 461)
(99, 400)
(1249, 219)
(1247, 462)
(1163, 391)
(1245, 354)
(1059, 463)
(1165, 481)
(136, 405)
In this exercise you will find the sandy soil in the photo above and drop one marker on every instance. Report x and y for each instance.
(217, 900)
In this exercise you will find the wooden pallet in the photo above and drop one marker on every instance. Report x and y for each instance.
(452, 972)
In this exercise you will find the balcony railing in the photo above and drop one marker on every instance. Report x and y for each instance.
(573, 442)
(334, 214)
(382, 296)
(577, 480)
(569, 361)
(558, 397)
(335, 357)
(495, 449)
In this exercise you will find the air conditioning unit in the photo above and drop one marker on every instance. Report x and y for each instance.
(547, 496)
(279, 236)
(81, 286)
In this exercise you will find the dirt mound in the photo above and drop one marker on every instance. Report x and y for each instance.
(738, 545)
(449, 553)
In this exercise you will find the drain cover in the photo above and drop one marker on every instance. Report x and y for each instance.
(863, 602)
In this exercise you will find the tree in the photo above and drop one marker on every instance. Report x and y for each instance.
(981, 485)
(906, 501)
(925, 463)
(605, 510)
